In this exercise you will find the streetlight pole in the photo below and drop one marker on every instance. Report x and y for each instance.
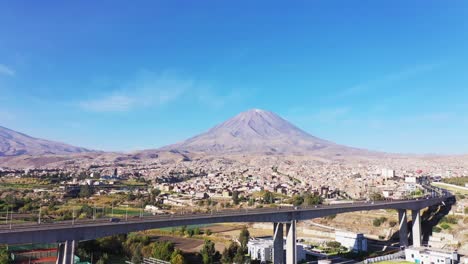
(40, 208)
(73, 216)
(126, 213)
(11, 217)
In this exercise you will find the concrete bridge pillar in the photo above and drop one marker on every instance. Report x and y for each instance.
(66, 252)
(416, 217)
(278, 243)
(403, 221)
(291, 254)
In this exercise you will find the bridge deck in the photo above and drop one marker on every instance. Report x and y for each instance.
(89, 229)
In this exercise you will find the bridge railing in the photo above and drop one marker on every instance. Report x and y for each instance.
(12, 219)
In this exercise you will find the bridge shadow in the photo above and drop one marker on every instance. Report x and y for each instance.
(430, 218)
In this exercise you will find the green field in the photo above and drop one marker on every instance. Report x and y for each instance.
(451, 188)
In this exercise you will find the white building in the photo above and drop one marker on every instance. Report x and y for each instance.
(262, 249)
(411, 183)
(355, 242)
(430, 256)
(387, 173)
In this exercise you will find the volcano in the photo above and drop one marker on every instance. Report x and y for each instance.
(262, 132)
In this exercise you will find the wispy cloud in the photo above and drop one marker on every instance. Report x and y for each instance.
(147, 89)
(389, 78)
(112, 103)
(5, 70)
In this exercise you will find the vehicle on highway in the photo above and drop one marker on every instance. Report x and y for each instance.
(114, 220)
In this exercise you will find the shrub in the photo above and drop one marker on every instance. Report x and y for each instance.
(379, 221)
(445, 226)
(450, 219)
(333, 244)
(436, 229)
(330, 217)
(392, 223)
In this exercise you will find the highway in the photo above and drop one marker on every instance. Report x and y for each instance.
(221, 214)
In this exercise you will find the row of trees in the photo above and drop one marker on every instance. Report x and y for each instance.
(307, 199)
(133, 246)
(137, 247)
(460, 181)
(165, 250)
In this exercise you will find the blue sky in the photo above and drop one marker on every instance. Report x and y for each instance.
(112, 75)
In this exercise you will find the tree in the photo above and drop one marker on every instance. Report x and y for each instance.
(190, 232)
(229, 253)
(244, 237)
(182, 230)
(163, 250)
(86, 191)
(104, 259)
(208, 251)
(87, 210)
(268, 197)
(177, 257)
(137, 258)
(239, 257)
(4, 258)
(333, 244)
(311, 199)
(375, 196)
(297, 200)
(196, 231)
(225, 257)
(376, 222)
(235, 197)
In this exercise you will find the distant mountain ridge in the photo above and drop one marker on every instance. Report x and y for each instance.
(13, 143)
(259, 131)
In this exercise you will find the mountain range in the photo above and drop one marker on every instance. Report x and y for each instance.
(14, 143)
(252, 132)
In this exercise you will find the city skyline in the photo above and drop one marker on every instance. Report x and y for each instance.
(375, 76)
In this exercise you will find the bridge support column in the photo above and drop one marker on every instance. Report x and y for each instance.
(291, 254)
(66, 252)
(403, 220)
(278, 243)
(416, 217)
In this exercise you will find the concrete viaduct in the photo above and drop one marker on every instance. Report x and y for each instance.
(67, 233)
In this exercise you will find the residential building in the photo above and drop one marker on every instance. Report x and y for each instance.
(421, 255)
(353, 241)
